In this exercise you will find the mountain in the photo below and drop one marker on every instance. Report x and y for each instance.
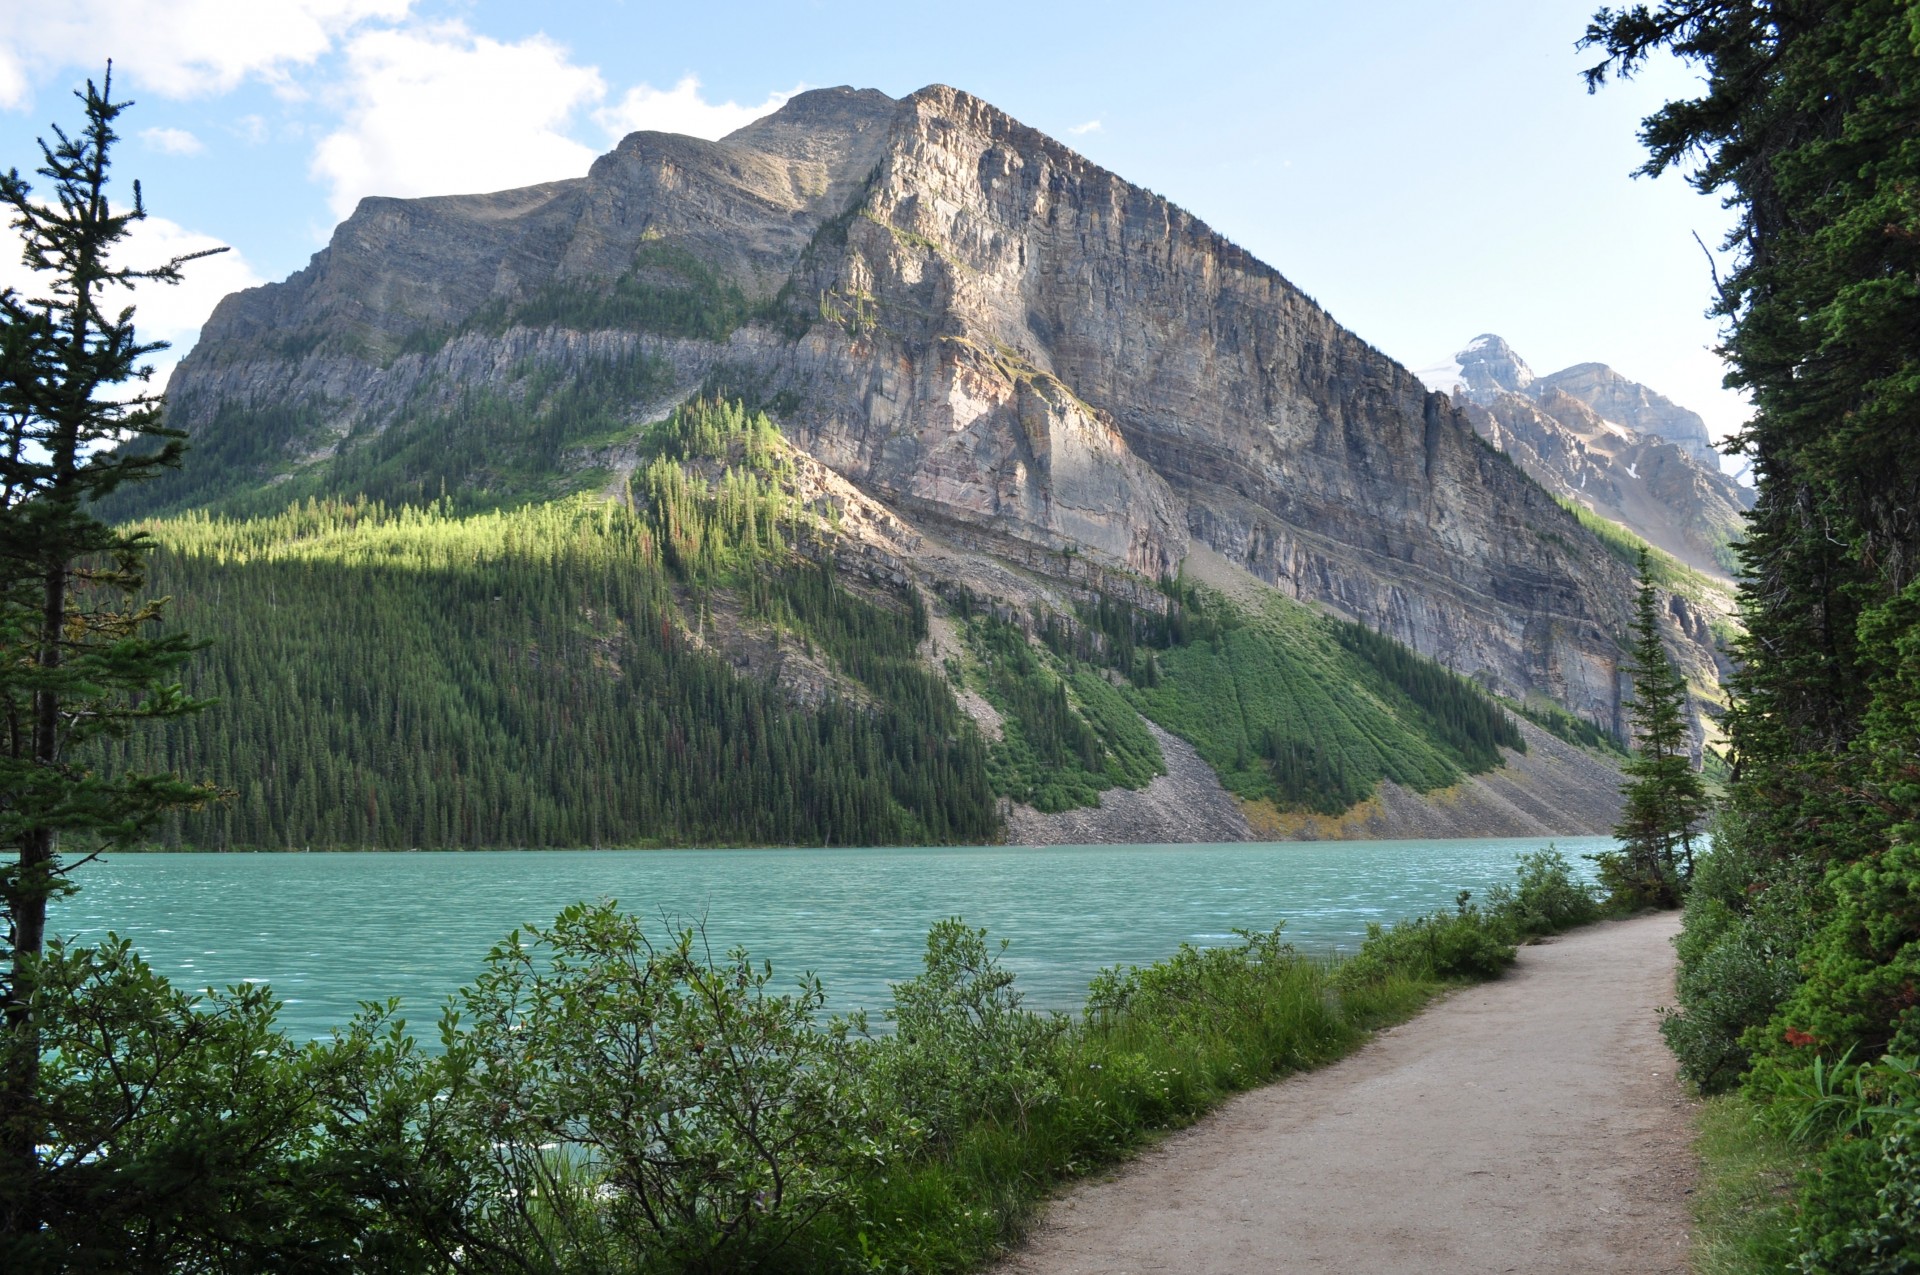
(1009, 392)
(1608, 444)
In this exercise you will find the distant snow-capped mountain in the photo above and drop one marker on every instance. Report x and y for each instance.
(1613, 445)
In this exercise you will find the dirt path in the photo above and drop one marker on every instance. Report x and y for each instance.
(1532, 1124)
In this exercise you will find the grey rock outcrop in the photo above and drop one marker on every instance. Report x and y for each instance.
(1613, 397)
(985, 331)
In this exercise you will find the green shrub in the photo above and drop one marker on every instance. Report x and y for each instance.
(1544, 898)
(1860, 1207)
(962, 1048)
(1467, 943)
(1860, 1211)
(1746, 919)
(663, 1107)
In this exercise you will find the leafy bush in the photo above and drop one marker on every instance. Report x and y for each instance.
(1860, 1213)
(188, 1133)
(1472, 942)
(1465, 944)
(1745, 922)
(1544, 899)
(963, 1050)
(663, 1108)
(1860, 1208)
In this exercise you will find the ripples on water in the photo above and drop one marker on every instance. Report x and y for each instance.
(331, 930)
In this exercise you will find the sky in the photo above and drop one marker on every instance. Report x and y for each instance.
(1427, 172)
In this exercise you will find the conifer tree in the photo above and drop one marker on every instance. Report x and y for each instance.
(1665, 797)
(76, 658)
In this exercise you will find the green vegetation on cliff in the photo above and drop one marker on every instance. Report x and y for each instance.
(1310, 714)
(532, 439)
(419, 677)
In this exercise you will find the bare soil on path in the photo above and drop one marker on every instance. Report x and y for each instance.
(1533, 1124)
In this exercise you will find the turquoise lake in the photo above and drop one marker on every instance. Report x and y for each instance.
(330, 930)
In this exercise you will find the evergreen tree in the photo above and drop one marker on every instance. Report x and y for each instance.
(1805, 125)
(76, 659)
(1665, 798)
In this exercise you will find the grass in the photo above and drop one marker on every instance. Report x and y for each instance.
(1744, 1207)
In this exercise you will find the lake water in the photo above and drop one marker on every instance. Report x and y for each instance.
(330, 930)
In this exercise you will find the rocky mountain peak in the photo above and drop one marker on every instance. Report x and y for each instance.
(1489, 365)
(822, 126)
(1632, 404)
(1612, 445)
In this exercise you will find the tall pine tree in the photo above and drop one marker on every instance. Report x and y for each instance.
(1665, 797)
(77, 659)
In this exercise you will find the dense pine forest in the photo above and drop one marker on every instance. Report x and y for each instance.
(559, 673)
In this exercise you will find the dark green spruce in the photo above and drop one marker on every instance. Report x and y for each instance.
(1800, 960)
(1666, 800)
(79, 661)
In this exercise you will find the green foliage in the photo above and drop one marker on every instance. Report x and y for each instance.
(1065, 739)
(1746, 920)
(1665, 798)
(667, 290)
(1859, 1209)
(1544, 898)
(1458, 714)
(401, 678)
(1804, 125)
(1561, 724)
(1473, 942)
(480, 448)
(962, 1049)
(1310, 714)
(1463, 944)
(79, 663)
(663, 1110)
(187, 1133)
(1660, 567)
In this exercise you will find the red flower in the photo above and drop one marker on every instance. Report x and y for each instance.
(1799, 1039)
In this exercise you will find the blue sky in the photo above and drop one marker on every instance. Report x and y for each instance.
(1428, 172)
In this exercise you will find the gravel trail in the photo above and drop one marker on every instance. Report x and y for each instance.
(1532, 1124)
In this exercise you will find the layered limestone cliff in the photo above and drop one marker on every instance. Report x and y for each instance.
(1050, 371)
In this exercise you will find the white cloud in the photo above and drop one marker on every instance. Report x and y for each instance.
(162, 312)
(1081, 130)
(177, 48)
(440, 110)
(172, 141)
(13, 79)
(681, 109)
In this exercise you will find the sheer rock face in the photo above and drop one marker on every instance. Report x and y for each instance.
(988, 333)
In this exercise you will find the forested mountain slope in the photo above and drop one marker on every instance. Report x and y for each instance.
(992, 392)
